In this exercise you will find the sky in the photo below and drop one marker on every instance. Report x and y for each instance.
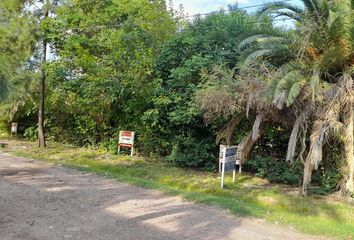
(205, 6)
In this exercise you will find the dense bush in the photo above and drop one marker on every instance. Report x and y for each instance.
(268, 158)
(277, 171)
(328, 175)
(268, 161)
(189, 152)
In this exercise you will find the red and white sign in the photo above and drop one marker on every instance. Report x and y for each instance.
(126, 138)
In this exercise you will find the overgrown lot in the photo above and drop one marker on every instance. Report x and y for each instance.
(249, 196)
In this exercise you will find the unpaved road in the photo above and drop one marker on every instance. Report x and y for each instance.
(39, 201)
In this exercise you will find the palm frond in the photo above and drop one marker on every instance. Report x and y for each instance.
(263, 53)
(298, 134)
(288, 14)
(320, 129)
(293, 139)
(276, 49)
(281, 9)
(311, 6)
(295, 91)
(251, 40)
(290, 81)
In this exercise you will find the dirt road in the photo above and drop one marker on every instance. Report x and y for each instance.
(39, 201)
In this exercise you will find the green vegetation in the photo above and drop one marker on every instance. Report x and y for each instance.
(249, 196)
(174, 124)
(318, 81)
(18, 35)
(284, 95)
(301, 80)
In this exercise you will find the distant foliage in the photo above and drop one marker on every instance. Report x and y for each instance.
(175, 124)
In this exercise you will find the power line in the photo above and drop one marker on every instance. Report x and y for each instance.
(230, 10)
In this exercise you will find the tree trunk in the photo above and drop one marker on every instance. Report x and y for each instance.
(347, 186)
(41, 135)
(307, 176)
(245, 146)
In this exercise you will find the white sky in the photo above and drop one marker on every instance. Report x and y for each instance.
(205, 6)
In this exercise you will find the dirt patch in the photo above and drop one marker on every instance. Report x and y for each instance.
(39, 201)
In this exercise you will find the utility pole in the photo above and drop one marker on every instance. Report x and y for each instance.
(41, 134)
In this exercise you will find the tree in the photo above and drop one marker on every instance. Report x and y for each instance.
(17, 41)
(105, 54)
(240, 99)
(44, 45)
(317, 83)
(33, 13)
(18, 37)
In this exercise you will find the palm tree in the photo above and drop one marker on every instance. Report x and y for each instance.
(316, 82)
(238, 96)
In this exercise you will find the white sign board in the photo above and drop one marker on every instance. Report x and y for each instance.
(13, 127)
(227, 161)
(126, 139)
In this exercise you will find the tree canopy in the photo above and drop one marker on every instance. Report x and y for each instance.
(17, 42)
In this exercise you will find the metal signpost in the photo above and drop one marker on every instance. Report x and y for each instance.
(126, 139)
(221, 156)
(227, 162)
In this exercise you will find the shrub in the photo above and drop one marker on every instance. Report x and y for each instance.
(4, 129)
(328, 175)
(189, 152)
(275, 170)
(31, 133)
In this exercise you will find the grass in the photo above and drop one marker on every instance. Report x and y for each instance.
(249, 196)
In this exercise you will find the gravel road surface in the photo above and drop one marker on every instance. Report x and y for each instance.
(40, 201)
